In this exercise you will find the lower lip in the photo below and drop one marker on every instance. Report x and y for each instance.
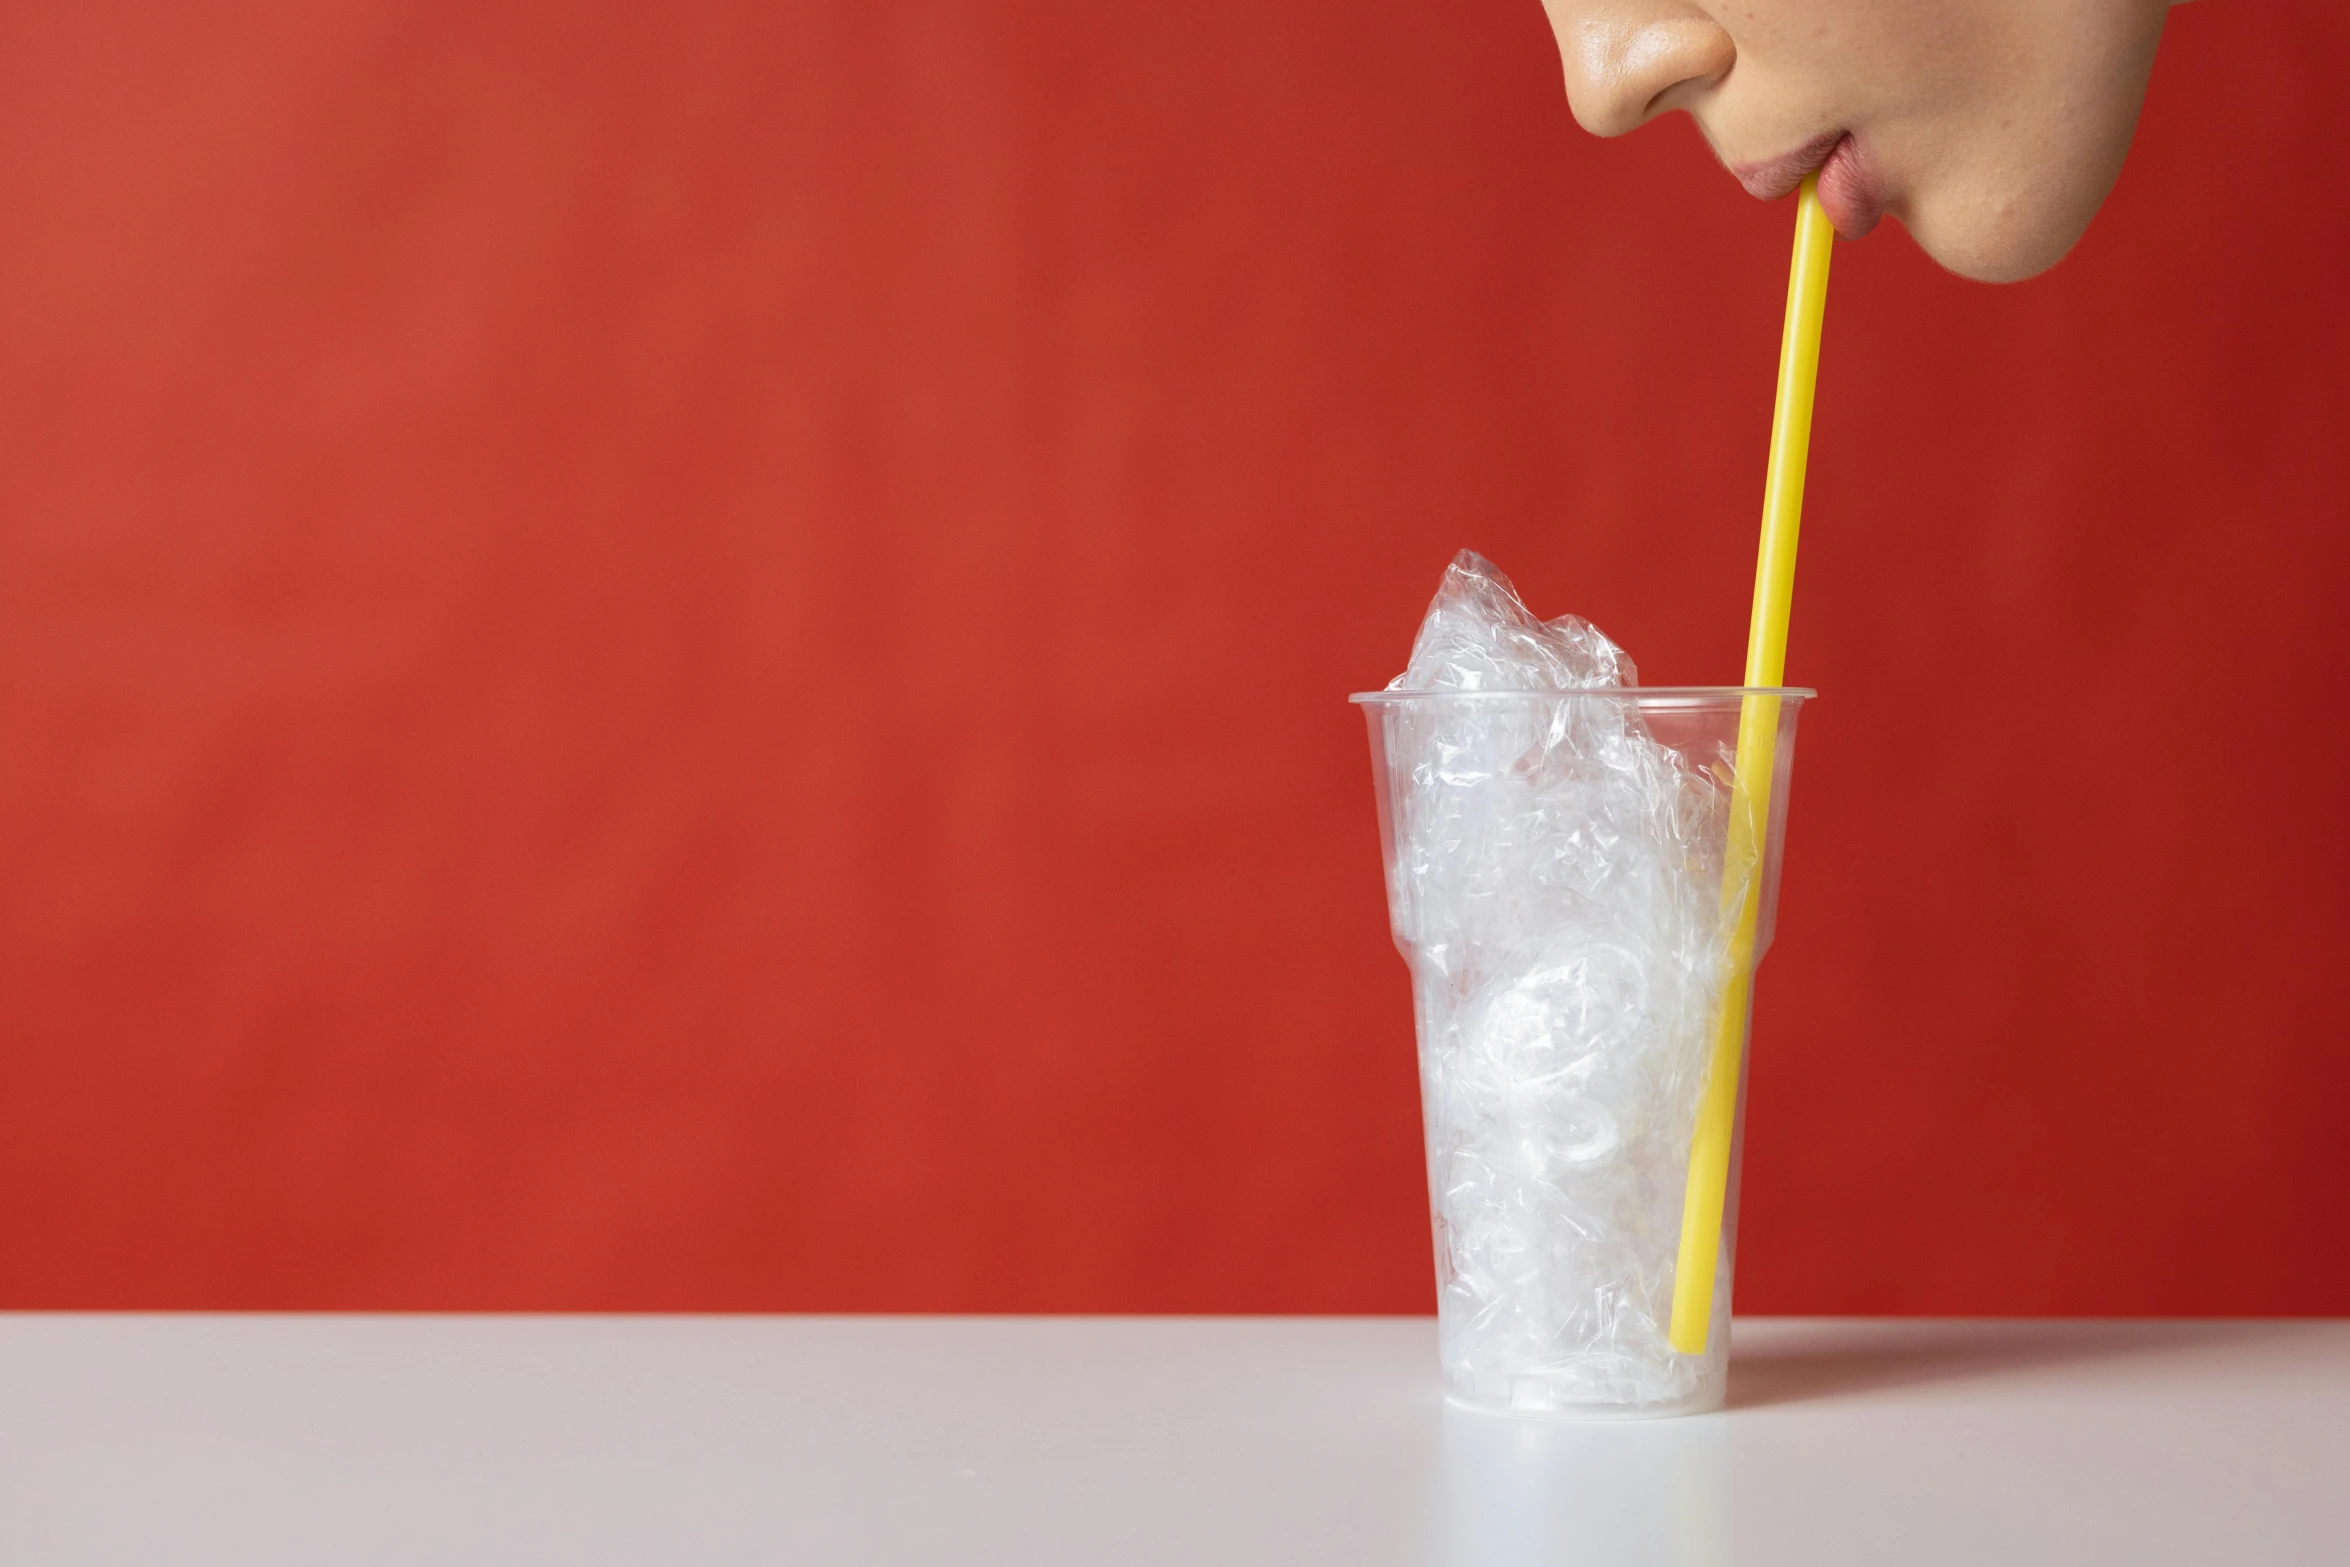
(1845, 193)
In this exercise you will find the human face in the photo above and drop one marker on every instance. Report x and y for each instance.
(1991, 129)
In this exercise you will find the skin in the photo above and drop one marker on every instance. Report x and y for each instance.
(1991, 129)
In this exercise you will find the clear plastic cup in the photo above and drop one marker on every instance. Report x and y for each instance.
(1556, 882)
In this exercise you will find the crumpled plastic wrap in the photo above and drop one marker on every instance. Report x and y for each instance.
(1557, 889)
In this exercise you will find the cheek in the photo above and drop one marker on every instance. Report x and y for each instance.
(2000, 188)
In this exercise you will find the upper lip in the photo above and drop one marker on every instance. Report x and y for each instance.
(1771, 178)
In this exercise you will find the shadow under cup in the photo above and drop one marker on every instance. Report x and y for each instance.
(1565, 881)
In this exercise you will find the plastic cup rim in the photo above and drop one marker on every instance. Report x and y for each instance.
(1679, 696)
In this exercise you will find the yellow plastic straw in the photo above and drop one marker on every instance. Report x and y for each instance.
(1750, 791)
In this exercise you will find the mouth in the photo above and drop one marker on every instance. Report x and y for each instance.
(1847, 193)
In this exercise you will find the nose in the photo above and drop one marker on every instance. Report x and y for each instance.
(1626, 58)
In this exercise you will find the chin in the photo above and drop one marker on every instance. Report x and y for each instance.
(1994, 242)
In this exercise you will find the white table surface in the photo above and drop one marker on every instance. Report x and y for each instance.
(260, 1440)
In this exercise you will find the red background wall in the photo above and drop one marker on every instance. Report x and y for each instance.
(694, 656)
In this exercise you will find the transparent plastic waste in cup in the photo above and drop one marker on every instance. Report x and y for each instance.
(1556, 881)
